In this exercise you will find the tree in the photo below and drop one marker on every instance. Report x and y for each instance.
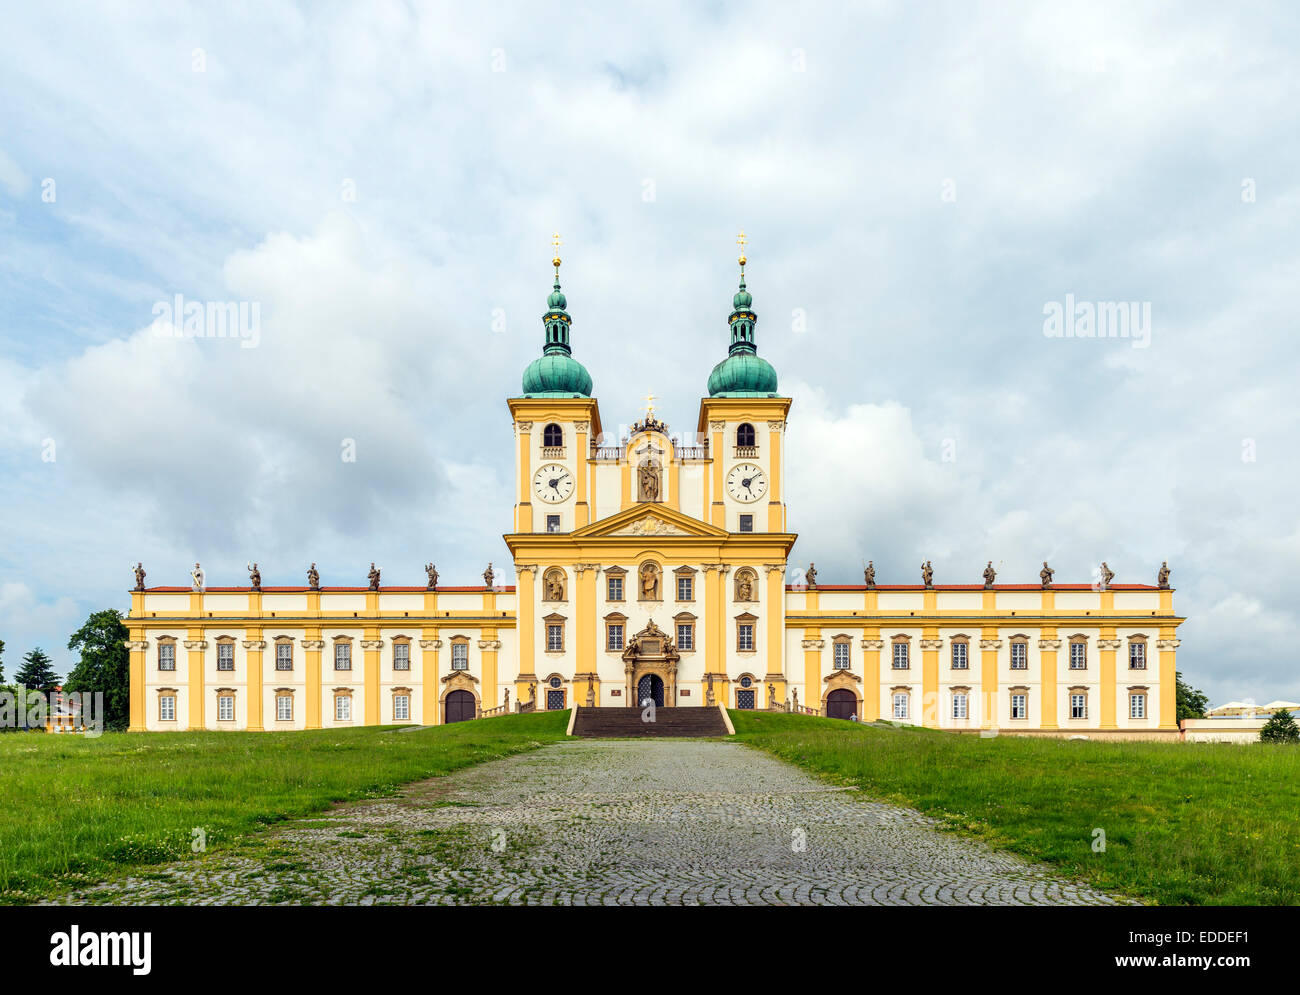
(105, 665)
(1280, 728)
(37, 672)
(1191, 702)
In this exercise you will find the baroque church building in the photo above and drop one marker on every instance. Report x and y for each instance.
(655, 569)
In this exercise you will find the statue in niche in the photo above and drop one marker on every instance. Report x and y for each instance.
(744, 587)
(649, 582)
(313, 578)
(648, 480)
(1045, 575)
(139, 576)
(555, 586)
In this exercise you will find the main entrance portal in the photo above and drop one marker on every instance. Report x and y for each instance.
(650, 662)
(650, 688)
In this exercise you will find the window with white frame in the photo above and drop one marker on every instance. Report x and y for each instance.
(1137, 655)
(342, 708)
(284, 655)
(685, 635)
(1020, 655)
(1078, 705)
(226, 708)
(900, 655)
(342, 656)
(166, 656)
(615, 641)
(401, 708)
(167, 709)
(401, 656)
(1137, 706)
(745, 636)
(225, 656)
(959, 705)
(284, 707)
(1078, 655)
(685, 587)
(1019, 705)
(614, 588)
(554, 638)
(900, 705)
(840, 660)
(960, 659)
(460, 656)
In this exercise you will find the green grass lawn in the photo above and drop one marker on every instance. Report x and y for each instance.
(1185, 823)
(74, 809)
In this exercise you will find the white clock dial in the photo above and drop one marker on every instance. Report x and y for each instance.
(553, 483)
(746, 482)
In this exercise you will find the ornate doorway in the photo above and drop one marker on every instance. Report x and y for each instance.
(651, 687)
(841, 704)
(459, 705)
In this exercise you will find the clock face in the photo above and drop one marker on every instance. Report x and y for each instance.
(746, 482)
(552, 483)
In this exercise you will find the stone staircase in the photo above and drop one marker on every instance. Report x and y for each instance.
(626, 722)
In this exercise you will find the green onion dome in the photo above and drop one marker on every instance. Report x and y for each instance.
(556, 373)
(743, 373)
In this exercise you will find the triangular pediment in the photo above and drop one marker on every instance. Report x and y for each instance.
(649, 519)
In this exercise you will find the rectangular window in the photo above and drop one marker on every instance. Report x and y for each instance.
(900, 656)
(959, 659)
(959, 706)
(342, 656)
(225, 656)
(226, 708)
(1019, 706)
(1079, 656)
(552, 523)
(745, 699)
(1137, 706)
(401, 708)
(900, 706)
(1078, 706)
(615, 592)
(746, 523)
(1137, 656)
(343, 709)
(685, 588)
(841, 656)
(555, 638)
(460, 656)
(401, 656)
(1019, 656)
(745, 636)
(685, 636)
(284, 707)
(167, 709)
(166, 656)
(615, 636)
(284, 656)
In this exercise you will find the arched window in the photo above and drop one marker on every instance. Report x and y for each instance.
(552, 436)
(745, 434)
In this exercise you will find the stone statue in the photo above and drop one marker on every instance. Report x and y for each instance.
(744, 588)
(1107, 575)
(488, 575)
(927, 574)
(591, 694)
(374, 576)
(196, 575)
(811, 576)
(1045, 575)
(313, 578)
(555, 587)
(1162, 577)
(139, 576)
(990, 575)
(254, 577)
(432, 572)
(771, 694)
(649, 582)
(648, 480)
(869, 575)
(708, 692)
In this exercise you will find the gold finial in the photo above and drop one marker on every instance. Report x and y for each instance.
(740, 241)
(556, 243)
(650, 405)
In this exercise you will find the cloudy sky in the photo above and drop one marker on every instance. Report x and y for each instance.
(920, 183)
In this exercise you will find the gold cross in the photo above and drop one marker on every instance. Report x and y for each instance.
(740, 241)
(649, 405)
(556, 243)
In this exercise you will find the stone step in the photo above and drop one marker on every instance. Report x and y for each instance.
(626, 722)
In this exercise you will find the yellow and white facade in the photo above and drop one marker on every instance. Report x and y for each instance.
(655, 565)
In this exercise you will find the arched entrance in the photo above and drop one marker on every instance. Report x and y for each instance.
(841, 704)
(459, 706)
(651, 686)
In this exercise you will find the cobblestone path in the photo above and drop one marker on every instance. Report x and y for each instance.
(611, 822)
